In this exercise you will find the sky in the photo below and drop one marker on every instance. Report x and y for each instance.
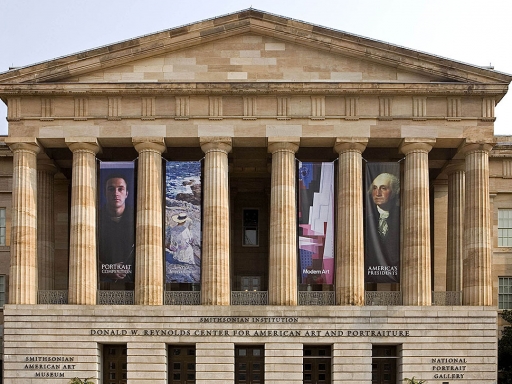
(473, 32)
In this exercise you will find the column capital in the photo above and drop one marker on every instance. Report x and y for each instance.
(454, 166)
(469, 147)
(23, 143)
(437, 183)
(83, 143)
(276, 144)
(416, 144)
(47, 165)
(344, 144)
(218, 143)
(149, 143)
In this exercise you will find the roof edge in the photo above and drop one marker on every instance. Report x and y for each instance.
(221, 26)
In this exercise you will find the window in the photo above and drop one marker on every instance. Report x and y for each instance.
(115, 367)
(250, 283)
(2, 227)
(250, 226)
(182, 364)
(384, 362)
(505, 293)
(249, 364)
(2, 290)
(316, 364)
(504, 227)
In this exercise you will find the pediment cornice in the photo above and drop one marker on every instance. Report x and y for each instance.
(253, 88)
(257, 22)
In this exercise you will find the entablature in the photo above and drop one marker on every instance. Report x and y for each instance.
(320, 103)
(497, 90)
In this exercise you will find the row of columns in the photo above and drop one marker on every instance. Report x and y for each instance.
(469, 227)
(469, 223)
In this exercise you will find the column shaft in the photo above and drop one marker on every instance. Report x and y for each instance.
(350, 236)
(23, 271)
(149, 265)
(45, 225)
(455, 234)
(416, 265)
(215, 287)
(283, 225)
(82, 239)
(477, 283)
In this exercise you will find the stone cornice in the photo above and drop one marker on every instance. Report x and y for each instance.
(252, 88)
(503, 147)
(258, 22)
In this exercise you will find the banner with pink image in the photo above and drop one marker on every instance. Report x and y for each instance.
(316, 222)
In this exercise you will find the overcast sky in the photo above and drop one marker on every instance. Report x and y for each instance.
(474, 32)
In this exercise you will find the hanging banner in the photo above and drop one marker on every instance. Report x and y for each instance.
(316, 222)
(116, 223)
(183, 222)
(382, 246)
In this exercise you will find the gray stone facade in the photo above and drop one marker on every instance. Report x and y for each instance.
(250, 94)
(434, 343)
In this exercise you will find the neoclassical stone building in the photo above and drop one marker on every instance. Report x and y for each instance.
(248, 95)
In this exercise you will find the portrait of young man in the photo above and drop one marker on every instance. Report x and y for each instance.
(116, 224)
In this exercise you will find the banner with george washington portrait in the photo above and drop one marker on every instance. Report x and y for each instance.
(316, 222)
(382, 234)
(183, 222)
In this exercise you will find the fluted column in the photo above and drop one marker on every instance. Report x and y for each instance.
(82, 238)
(149, 264)
(46, 171)
(215, 286)
(477, 283)
(416, 267)
(350, 236)
(283, 224)
(455, 233)
(23, 272)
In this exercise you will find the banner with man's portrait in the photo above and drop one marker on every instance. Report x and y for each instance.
(316, 222)
(116, 222)
(382, 245)
(183, 222)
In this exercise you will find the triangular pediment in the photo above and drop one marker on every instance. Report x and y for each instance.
(251, 46)
(252, 58)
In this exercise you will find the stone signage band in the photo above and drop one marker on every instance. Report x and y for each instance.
(46, 367)
(249, 333)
